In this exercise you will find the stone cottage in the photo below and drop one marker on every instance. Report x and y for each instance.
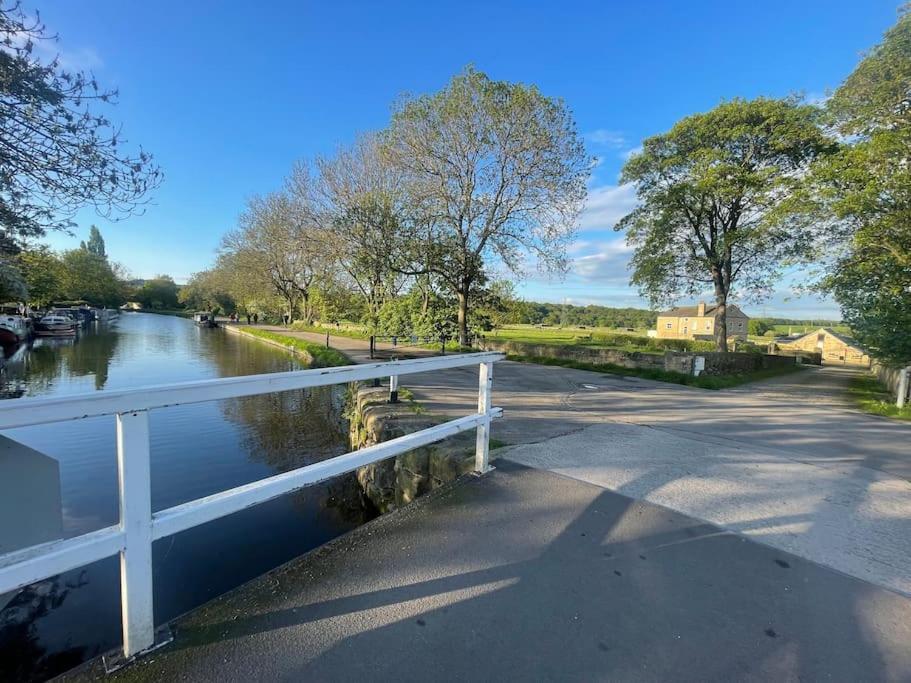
(698, 322)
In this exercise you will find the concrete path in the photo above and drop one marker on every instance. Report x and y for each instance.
(786, 461)
(527, 575)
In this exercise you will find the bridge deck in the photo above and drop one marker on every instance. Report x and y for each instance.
(524, 574)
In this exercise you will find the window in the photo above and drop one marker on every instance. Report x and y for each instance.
(670, 326)
(708, 324)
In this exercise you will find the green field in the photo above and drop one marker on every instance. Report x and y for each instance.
(595, 338)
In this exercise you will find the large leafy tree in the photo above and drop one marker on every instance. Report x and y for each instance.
(43, 272)
(709, 194)
(159, 292)
(358, 200)
(60, 153)
(496, 170)
(866, 190)
(278, 239)
(91, 278)
(95, 243)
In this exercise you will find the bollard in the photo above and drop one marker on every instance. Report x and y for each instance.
(327, 340)
(393, 388)
(372, 345)
(903, 387)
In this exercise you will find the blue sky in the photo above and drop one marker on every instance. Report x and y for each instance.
(227, 95)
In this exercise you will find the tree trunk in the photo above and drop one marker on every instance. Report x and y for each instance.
(463, 315)
(721, 320)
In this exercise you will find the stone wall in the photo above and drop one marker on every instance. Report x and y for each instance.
(726, 363)
(396, 481)
(581, 354)
(889, 376)
(673, 361)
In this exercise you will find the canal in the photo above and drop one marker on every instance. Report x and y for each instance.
(196, 450)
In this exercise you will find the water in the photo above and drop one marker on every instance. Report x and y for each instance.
(196, 450)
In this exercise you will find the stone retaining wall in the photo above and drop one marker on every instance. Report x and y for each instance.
(889, 376)
(581, 354)
(726, 363)
(673, 361)
(396, 481)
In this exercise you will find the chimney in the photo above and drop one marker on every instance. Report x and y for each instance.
(700, 309)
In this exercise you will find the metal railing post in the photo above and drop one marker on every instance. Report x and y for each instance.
(482, 444)
(136, 522)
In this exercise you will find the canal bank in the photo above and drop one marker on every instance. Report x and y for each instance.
(196, 450)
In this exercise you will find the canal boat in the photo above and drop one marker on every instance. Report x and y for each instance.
(56, 325)
(205, 319)
(14, 329)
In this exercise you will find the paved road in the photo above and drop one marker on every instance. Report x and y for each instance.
(526, 575)
(786, 461)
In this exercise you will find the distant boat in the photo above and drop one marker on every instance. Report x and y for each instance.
(205, 319)
(56, 325)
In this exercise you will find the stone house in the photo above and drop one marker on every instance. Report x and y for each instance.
(836, 349)
(698, 322)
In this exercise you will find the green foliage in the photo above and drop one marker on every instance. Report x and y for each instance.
(320, 355)
(709, 192)
(595, 339)
(12, 283)
(758, 327)
(44, 275)
(872, 397)
(91, 278)
(161, 292)
(865, 192)
(496, 169)
(60, 152)
(95, 245)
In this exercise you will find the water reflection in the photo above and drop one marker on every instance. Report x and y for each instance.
(196, 450)
(34, 368)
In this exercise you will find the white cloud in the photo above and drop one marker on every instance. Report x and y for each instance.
(607, 264)
(608, 138)
(607, 204)
(628, 154)
(46, 50)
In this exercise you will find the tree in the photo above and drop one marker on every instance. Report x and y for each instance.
(12, 283)
(710, 190)
(865, 190)
(359, 202)
(492, 169)
(43, 273)
(758, 327)
(95, 245)
(159, 292)
(89, 277)
(59, 153)
(278, 239)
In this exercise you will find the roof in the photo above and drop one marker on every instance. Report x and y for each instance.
(693, 311)
(845, 339)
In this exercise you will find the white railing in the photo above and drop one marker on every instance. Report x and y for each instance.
(132, 538)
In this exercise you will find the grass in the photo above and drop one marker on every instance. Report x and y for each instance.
(702, 381)
(872, 397)
(320, 355)
(595, 338)
(349, 332)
